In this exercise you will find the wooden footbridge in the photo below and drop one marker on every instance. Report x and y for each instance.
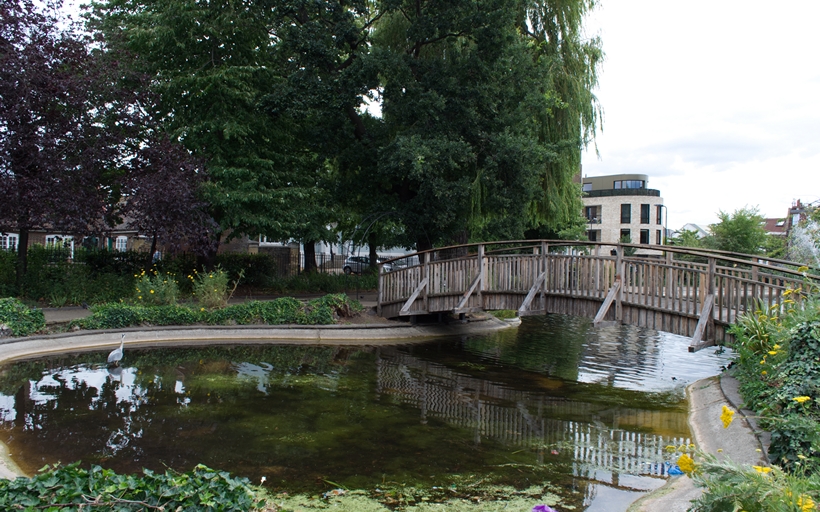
(691, 292)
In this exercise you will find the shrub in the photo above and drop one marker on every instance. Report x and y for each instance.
(286, 310)
(154, 288)
(8, 274)
(753, 489)
(210, 288)
(21, 319)
(73, 488)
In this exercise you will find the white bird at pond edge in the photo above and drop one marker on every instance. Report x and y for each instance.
(116, 355)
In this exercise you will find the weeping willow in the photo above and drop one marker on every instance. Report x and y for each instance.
(571, 62)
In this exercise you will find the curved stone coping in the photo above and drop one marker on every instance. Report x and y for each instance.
(738, 443)
(14, 349)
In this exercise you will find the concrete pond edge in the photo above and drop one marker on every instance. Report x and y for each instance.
(18, 349)
(742, 442)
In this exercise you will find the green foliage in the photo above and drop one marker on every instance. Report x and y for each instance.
(211, 288)
(8, 262)
(315, 282)
(743, 232)
(731, 487)
(76, 488)
(777, 354)
(21, 319)
(155, 289)
(257, 269)
(286, 310)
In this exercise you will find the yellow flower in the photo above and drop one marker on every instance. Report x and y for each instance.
(686, 464)
(763, 372)
(763, 361)
(152, 291)
(788, 292)
(727, 416)
(776, 347)
(670, 448)
(140, 297)
(202, 309)
(803, 269)
(801, 399)
(805, 503)
(772, 352)
(762, 469)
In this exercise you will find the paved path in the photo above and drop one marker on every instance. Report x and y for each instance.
(741, 442)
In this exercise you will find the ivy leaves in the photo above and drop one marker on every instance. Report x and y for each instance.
(55, 488)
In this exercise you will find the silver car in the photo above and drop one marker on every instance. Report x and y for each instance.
(358, 264)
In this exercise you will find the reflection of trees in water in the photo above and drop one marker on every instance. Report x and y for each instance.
(532, 419)
(196, 408)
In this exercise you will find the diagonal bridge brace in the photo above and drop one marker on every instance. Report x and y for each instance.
(525, 310)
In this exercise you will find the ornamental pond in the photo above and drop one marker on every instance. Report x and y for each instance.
(554, 407)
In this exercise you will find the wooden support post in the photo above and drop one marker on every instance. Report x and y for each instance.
(610, 296)
(482, 274)
(405, 310)
(718, 301)
(543, 269)
(705, 318)
(426, 280)
(524, 309)
(466, 296)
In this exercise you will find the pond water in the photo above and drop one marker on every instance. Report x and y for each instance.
(585, 412)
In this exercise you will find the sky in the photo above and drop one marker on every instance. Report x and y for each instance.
(717, 101)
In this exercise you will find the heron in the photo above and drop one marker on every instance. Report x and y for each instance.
(116, 355)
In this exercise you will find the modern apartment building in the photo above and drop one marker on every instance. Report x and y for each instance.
(621, 207)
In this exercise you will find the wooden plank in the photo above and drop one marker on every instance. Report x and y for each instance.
(703, 320)
(406, 308)
(466, 296)
(610, 297)
(528, 300)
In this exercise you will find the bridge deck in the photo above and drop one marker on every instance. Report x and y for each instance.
(692, 298)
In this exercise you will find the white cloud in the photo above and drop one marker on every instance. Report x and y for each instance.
(715, 101)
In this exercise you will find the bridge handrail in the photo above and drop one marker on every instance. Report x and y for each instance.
(759, 261)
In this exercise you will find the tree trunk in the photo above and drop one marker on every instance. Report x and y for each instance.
(153, 250)
(423, 244)
(22, 258)
(374, 256)
(310, 256)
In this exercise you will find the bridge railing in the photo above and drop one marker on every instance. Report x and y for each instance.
(689, 283)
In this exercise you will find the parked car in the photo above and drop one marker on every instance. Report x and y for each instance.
(358, 264)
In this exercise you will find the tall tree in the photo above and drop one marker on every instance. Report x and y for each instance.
(211, 65)
(60, 128)
(742, 231)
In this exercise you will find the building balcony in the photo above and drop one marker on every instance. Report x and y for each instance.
(623, 192)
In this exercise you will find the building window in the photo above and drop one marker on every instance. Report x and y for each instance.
(626, 213)
(659, 214)
(61, 242)
(8, 242)
(644, 214)
(626, 236)
(658, 237)
(587, 187)
(629, 184)
(644, 236)
(592, 214)
(594, 235)
(121, 244)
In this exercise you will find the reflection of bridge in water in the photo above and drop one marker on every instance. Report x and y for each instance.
(534, 420)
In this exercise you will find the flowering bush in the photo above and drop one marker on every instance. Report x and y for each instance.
(211, 288)
(155, 289)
